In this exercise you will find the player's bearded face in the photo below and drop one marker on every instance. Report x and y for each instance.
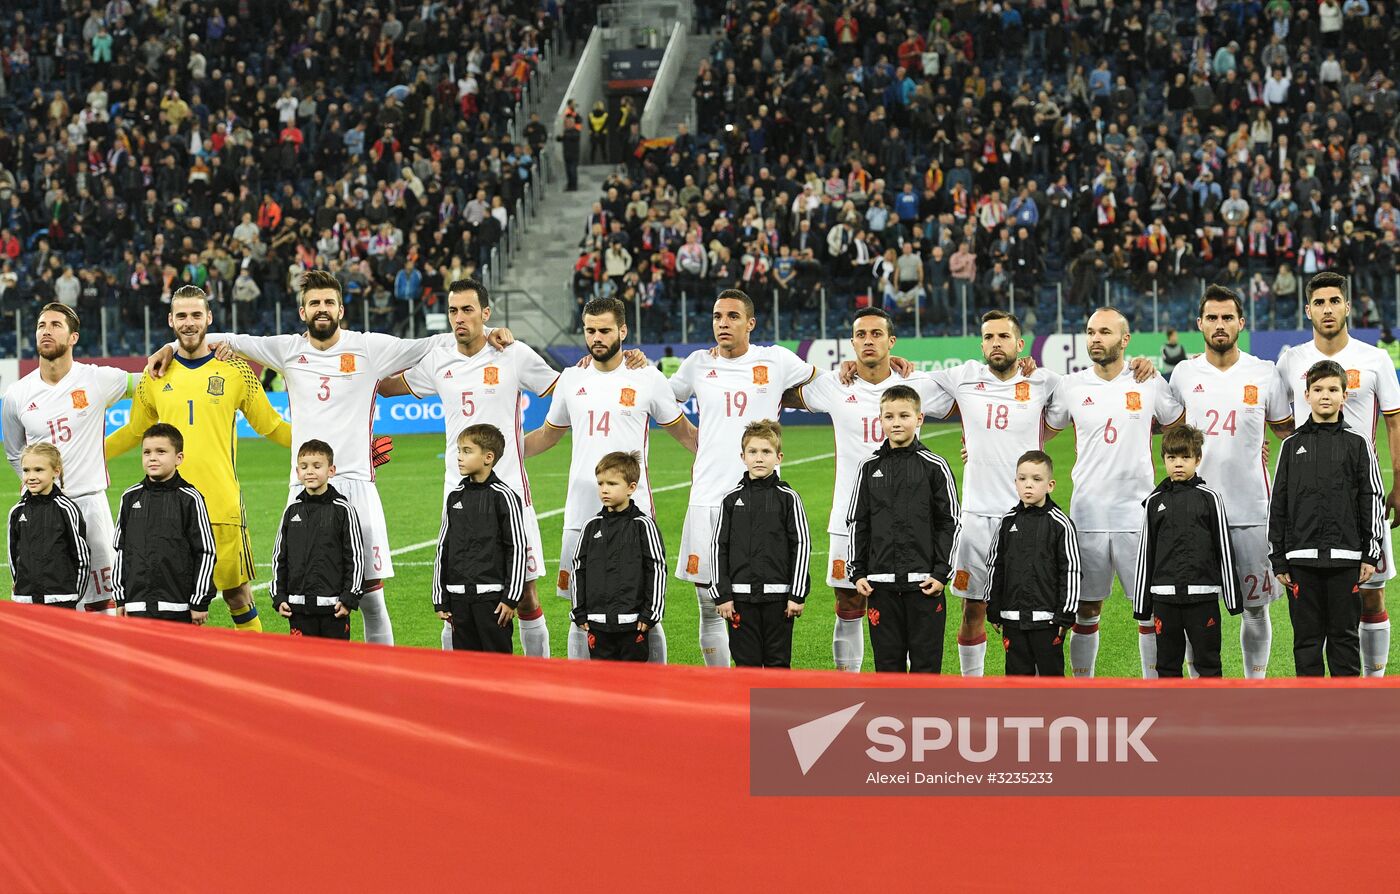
(602, 349)
(323, 320)
(52, 339)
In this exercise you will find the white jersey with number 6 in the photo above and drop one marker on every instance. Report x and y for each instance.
(1113, 469)
(731, 393)
(1232, 408)
(1372, 387)
(607, 412)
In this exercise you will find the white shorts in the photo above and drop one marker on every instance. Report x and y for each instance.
(1101, 555)
(1251, 548)
(374, 531)
(101, 535)
(1386, 570)
(970, 554)
(697, 542)
(836, 563)
(534, 543)
(567, 545)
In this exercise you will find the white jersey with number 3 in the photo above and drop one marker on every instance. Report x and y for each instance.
(731, 393)
(70, 414)
(607, 412)
(484, 388)
(1372, 387)
(855, 418)
(1113, 470)
(1232, 407)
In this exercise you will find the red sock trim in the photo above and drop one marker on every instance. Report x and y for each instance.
(377, 585)
(106, 604)
(854, 614)
(1375, 618)
(1086, 629)
(531, 616)
(1147, 630)
(975, 641)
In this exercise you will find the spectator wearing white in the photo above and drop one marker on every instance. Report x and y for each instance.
(1276, 87)
(67, 288)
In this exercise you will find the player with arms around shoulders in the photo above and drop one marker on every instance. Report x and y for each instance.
(606, 408)
(733, 384)
(201, 396)
(1372, 391)
(64, 403)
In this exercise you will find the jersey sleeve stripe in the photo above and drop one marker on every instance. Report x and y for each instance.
(679, 417)
(557, 427)
(550, 390)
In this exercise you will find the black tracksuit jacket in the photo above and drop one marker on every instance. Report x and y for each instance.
(482, 542)
(48, 547)
(1327, 509)
(318, 554)
(619, 571)
(762, 544)
(165, 547)
(1034, 569)
(903, 518)
(1184, 544)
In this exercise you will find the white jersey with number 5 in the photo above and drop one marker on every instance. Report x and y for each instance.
(607, 412)
(331, 393)
(1113, 470)
(729, 395)
(855, 418)
(1000, 421)
(1372, 387)
(484, 388)
(1232, 408)
(71, 415)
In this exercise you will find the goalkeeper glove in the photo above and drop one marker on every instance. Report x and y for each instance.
(380, 450)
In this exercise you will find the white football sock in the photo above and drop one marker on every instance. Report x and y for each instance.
(378, 627)
(972, 655)
(578, 643)
(1084, 646)
(1375, 643)
(1256, 641)
(656, 645)
(1147, 651)
(714, 639)
(446, 636)
(534, 637)
(848, 643)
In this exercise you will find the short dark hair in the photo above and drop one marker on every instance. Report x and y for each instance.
(187, 292)
(1328, 280)
(1184, 440)
(599, 306)
(1215, 292)
(875, 312)
(167, 431)
(738, 295)
(319, 279)
(315, 447)
(487, 437)
(993, 315)
(1037, 456)
(628, 465)
(70, 316)
(468, 284)
(902, 392)
(1326, 369)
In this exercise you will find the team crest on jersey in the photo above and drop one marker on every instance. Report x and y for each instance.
(216, 385)
(1023, 390)
(80, 400)
(760, 375)
(347, 363)
(628, 397)
(491, 375)
(1134, 401)
(1353, 380)
(1251, 395)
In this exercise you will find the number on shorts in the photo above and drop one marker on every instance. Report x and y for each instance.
(531, 564)
(102, 580)
(378, 562)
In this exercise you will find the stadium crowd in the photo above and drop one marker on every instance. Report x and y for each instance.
(918, 153)
(234, 144)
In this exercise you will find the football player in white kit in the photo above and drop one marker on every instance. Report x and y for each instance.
(64, 403)
(480, 384)
(733, 385)
(1113, 473)
(331, 375)
(1230, 396)
(608, 408)
(1372, 390)
(855, 416)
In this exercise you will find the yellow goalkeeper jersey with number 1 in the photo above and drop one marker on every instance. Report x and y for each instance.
(202, 399)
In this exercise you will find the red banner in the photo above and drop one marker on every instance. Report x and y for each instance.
(154, 757)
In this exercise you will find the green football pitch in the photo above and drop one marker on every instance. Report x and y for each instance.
(410, 487)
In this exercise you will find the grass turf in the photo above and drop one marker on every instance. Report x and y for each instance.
(413, 529)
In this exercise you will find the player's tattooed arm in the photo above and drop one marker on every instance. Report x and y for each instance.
(792, 399)
(394, 386)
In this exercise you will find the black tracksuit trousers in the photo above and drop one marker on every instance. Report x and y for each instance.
(760, 634)
(1325, 608)
(906, 631)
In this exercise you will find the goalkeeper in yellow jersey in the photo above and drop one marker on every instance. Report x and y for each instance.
(201, 396)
